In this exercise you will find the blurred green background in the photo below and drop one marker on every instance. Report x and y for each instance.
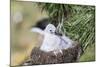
(79, 26)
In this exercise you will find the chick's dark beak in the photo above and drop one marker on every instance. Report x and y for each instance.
(58, 33)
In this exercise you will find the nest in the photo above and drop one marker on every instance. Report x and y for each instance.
(39, 57)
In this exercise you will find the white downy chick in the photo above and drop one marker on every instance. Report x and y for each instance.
(52, 42)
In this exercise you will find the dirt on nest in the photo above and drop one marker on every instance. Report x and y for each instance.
(39, 57)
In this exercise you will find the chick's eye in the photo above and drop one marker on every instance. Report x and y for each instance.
(50, 30)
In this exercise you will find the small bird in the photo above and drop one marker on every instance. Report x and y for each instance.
(51, 41)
